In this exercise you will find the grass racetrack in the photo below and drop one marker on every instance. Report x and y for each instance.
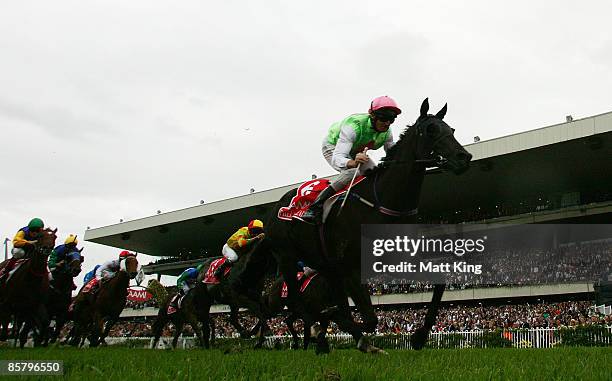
(110, 363)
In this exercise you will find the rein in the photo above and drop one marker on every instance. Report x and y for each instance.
(433, 162)
(381, 209)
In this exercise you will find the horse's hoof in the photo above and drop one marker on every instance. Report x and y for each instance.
(364, 346)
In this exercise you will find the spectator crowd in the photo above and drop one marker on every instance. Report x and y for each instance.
(400, 320)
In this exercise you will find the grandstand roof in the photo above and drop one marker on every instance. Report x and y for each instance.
(567, 157)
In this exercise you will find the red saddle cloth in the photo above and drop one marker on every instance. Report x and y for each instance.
(306, 194)
(11, 266)
(173, 305)
(305, 283)
(90, 285)
(210, 277)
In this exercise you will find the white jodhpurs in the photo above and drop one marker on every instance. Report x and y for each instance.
(229, 253)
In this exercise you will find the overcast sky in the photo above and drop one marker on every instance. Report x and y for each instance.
(114, 109)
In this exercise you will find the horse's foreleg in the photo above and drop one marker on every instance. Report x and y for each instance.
(361, 298)
(23, 334)
(257, 310)
(362, 301)
(4, 323)
(204, 333)
(419, 337)
(41, 323)
(213, 329)
(236, 323)
(157, 328)
(191, 319)
(322, 343)
(60, 321)
(178, 331)
(290, 321)
(107, 327)
(308, 323)
(96, 330)
(16, 329)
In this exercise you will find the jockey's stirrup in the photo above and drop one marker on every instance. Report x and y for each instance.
(314, 214)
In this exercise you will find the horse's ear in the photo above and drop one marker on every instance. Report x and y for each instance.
(81, 249)
(442, 112)
(425, 107)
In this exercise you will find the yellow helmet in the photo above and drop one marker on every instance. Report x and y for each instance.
(71, 240)
(255, 227)
(255, 224)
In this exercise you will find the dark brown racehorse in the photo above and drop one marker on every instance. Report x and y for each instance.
(96, 313)
(388, 195)
(60, 291)
(189, 312)
(314, 299)
(242, 288)
(24, 296)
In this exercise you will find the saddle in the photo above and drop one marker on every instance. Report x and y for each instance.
(91, 287)
(210, 277)
(12, 265)
(175, 303)
(306, 194)
(303, 282)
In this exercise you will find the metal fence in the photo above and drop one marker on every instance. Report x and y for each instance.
(521, 338)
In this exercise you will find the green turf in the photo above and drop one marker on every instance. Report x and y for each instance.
(452, 364)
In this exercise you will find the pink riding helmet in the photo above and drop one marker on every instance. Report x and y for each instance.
(384, 102)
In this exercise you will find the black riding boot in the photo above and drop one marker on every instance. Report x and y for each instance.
(314, 214)
(221, 269)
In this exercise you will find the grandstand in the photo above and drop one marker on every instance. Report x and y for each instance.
(554, 174)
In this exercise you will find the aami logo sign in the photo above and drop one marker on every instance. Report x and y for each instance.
(138, 295)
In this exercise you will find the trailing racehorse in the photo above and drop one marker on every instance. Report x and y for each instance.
(241, 288)
(389, 194)
(95, 314)
(24, 295)
(60, 291)
(190, 311)
(314, 299)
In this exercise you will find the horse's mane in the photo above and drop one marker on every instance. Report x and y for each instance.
(392, 152)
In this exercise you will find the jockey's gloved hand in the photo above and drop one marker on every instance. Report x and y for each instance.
(261, 236)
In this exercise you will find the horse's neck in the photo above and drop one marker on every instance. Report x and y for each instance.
(39, 258)
(254, 264)
(119, 283)
(62, 279)
(398, 186)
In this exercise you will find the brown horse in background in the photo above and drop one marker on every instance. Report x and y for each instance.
(95, 314)
(190, 312)
(24, 295)
(60, 291)
(314, 299)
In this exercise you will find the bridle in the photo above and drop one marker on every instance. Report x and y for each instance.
(428, 162)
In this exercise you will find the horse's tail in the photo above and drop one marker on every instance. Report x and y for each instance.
(158, 291)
